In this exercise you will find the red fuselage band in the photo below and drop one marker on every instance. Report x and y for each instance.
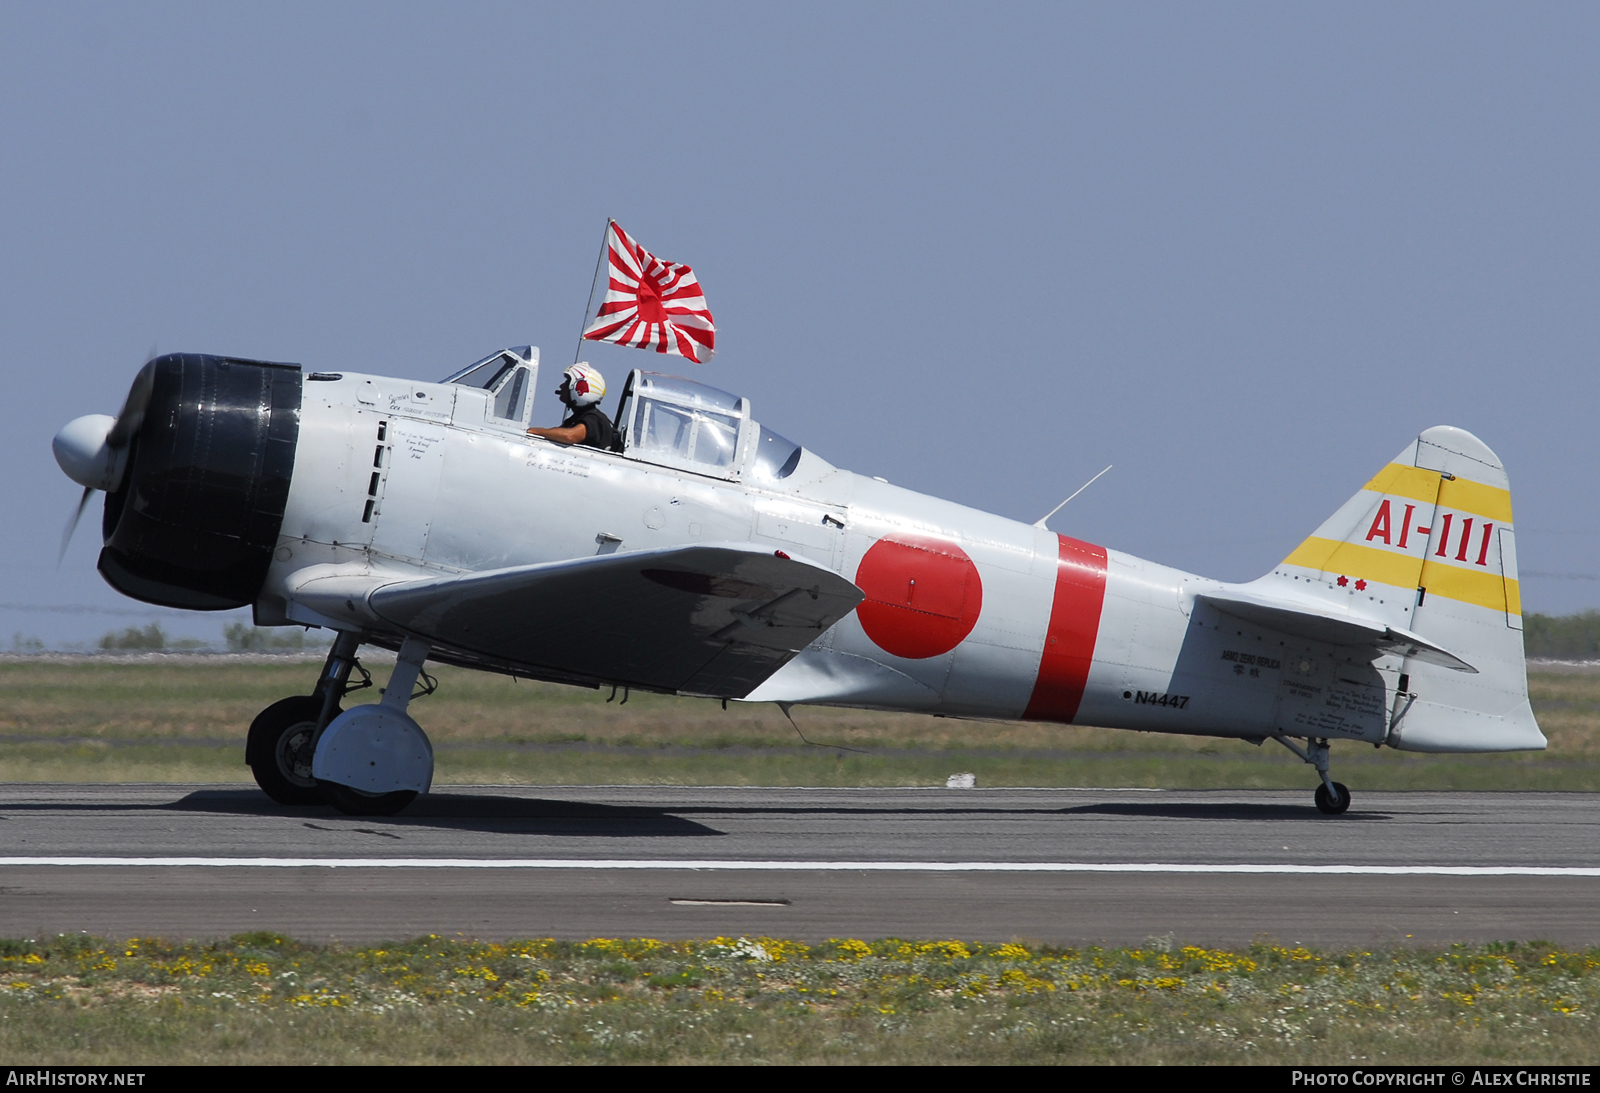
(1074, 626)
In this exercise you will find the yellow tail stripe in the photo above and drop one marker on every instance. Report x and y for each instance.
(1473, 586)
(1355, 560)
(1489, 502)
(1482, 587)
(1400, 480)
(1460, 494)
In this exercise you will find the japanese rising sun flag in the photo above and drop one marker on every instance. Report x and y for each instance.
(652, 304)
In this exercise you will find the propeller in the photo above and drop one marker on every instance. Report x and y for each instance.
(72, 524)
(132, 415)
(93, 450)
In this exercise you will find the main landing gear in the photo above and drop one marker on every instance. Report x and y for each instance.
(371, 761)
(279, 748)
(283, 737)
(1333, 798)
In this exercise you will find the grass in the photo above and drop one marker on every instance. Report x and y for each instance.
(1562, 637)
(263, 998)
(161, 721)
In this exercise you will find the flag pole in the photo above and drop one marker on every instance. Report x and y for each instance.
(589, 305)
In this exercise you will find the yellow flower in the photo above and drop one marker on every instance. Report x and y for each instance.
(1017, 979)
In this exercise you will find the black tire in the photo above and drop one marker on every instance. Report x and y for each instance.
(352, 802)
(279, 750)
(1326, 803)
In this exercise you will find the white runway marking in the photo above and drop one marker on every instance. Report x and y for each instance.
(692, 864)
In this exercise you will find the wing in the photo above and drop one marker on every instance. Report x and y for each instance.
(1316, 623)
(706, 620)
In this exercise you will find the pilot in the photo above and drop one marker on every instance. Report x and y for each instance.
(582, 388)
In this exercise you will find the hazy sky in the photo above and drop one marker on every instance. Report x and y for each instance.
(1244, 252)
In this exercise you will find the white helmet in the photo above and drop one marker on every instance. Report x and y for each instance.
(588, 385)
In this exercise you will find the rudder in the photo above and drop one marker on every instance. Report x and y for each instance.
(1428, 545)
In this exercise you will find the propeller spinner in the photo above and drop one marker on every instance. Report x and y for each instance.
(93, 449)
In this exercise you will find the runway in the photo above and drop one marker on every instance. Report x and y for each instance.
(1062, 866)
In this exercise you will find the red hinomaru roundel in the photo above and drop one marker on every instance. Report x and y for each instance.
(923, 596)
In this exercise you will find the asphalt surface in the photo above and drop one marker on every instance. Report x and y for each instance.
(988, 865)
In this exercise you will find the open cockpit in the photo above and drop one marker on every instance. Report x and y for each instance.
(666, 420)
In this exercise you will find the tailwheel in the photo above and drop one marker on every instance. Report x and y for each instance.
(352, 802)
(1332, 798)
(1329, 803)
(279, 749)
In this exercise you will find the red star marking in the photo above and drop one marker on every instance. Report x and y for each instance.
(1361, 586)
(1343, 581)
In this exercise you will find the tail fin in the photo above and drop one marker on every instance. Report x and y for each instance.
(1428, 546)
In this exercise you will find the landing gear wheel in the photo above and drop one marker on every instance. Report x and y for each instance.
(1326, 802)
(279, 750)
(352, 802)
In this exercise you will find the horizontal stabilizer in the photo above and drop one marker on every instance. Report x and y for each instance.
(1315, 622)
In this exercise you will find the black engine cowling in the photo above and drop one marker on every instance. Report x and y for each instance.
(195, 518)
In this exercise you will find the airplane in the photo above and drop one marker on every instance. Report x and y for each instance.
(710, 556)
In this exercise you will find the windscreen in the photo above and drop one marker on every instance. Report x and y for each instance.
(486, 373)
(512, 399)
